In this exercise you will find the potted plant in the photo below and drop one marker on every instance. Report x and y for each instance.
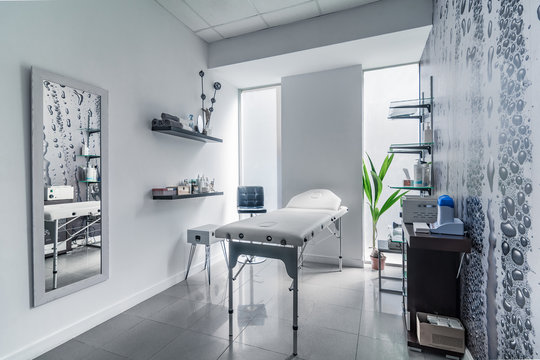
(373, 188)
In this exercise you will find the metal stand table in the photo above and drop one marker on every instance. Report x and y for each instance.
(383, 249)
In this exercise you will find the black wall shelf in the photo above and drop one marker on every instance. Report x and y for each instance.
(185, 134)
(186, 196)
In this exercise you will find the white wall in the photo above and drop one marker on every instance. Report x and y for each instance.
(380, 87)
(259, 153)
(377, 18)
(322, 148)
(149, 63)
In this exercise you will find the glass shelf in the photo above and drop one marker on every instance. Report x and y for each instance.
(412, 145)
(412, 148)
(89, 156)
(411, 104)
(410, 109)
(89, 181)
(419, 188)
(90, 130)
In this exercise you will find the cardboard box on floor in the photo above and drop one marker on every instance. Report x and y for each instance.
(440, 337)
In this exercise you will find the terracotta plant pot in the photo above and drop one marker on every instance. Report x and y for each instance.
(375, 263)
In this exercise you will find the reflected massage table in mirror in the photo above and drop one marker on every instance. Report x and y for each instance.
(69, 212)
(284, 234)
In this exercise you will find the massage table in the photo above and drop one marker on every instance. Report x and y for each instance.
(284, 234)
(72, 211)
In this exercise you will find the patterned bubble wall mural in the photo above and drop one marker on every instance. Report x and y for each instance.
(482, 55)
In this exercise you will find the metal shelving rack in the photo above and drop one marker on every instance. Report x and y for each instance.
(420, 110)
(89, 131)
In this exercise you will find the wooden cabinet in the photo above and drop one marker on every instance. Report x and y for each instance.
(432, 263)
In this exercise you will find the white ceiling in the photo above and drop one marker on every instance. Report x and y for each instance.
(378, 51)
(213, 20)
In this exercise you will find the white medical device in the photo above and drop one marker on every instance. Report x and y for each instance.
(446, 223)
(60, 192)
(419, 209)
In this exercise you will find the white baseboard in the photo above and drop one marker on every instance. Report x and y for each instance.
(60, 336)
(467, 355)
(325, 259)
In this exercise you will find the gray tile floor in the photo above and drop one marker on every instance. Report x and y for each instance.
(341, 316)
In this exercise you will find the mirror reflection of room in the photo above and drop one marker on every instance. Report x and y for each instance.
(71, 177)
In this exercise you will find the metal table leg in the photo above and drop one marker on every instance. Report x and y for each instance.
(231, 263)
(340, 257)
(379, 261)
(55, 254)
(191, 252)
(222, 243)
(295, 315)
(207, 251)
(287, 254)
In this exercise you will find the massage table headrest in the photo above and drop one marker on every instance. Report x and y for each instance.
(315, 199)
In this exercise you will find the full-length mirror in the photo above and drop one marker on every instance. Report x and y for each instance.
(70, 243)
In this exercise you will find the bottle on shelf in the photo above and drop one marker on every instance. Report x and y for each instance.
(418, 178)
(428, 133)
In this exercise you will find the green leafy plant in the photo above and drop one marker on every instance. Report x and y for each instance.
(373, 188)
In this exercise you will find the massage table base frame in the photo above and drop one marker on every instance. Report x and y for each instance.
(287, 254)
(53, 227)
(290, 257)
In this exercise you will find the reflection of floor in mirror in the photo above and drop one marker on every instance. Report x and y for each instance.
(74, 266)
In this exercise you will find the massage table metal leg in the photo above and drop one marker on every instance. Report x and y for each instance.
(340, 257)
(289, 256)
(191, 252)
(231, 263)
(55, 254)
(295, 315)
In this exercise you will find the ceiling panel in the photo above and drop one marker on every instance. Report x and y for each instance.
(264, 6)
(184, 13)
(292, 14)
(329, 6)
(231, 18)
(241, 27)
(209, 35)
(217, 12)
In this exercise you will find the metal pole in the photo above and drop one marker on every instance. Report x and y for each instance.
(55, 255)
(191, 252)
(208, 260)
(295, 313)
(231, 265)
(340, 257)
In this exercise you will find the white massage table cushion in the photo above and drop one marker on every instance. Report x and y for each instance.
(287, 226)
(315, 199)
(69, 210)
